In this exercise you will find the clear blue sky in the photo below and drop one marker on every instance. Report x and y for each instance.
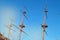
(35, 14)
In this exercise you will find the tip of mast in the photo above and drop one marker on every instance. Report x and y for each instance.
(46, 5)
(24, 10)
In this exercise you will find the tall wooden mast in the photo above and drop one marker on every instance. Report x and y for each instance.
(44, 25)
(22, 24)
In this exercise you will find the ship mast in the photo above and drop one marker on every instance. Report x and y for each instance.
(44, 25)
(22, 24)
